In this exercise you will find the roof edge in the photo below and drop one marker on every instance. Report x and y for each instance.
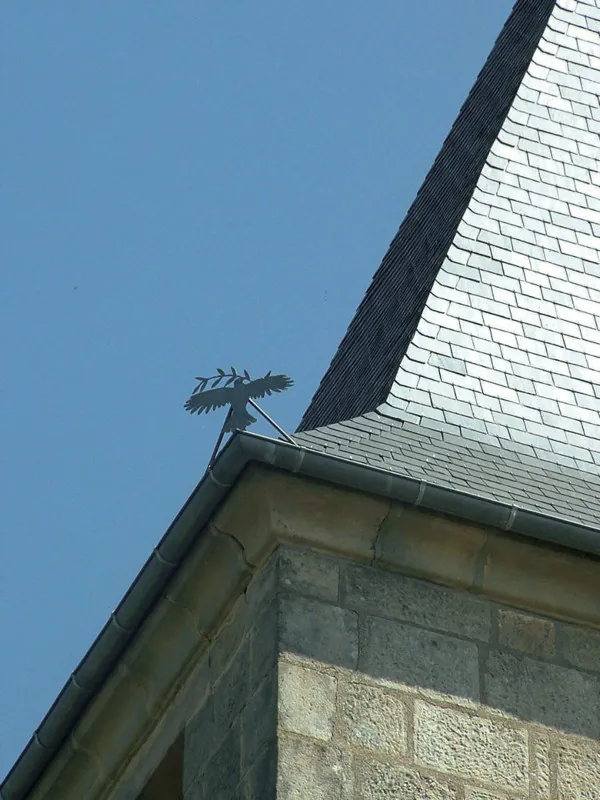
(214, 487)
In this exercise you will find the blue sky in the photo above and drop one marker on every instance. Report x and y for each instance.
(185, 186)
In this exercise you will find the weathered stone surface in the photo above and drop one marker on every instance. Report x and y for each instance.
(420, 658)
(247, 515)
(578, 770)
(319, 630)
(176, 642)
(269, 505)
(261, 590)
(424, 544)
(212, 577)
(199, 742)
(308, 770)
(259, 721)
(579, 647)
(541, 763)
(232, 691)
(306, 701)
(381, 780)
(80, 776)
(197, 790)
(526, 633)
(190, 699)
(228, 639)
(543, 693)
(528, 576)
(341, 520)
(222, 773)
(473, 793)
(471, 747)
(97, 730)
(264, 644)
(379, 592)
(374, 718)
(309, 573)
(260, 782)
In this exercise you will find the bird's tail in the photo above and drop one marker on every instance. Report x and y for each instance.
(239, 421)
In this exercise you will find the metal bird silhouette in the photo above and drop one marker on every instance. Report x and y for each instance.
(237, 391)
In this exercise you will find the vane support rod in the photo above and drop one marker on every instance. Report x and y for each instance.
(220, 439)
(285, 435)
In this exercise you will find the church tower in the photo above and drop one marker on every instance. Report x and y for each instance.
(404, 603)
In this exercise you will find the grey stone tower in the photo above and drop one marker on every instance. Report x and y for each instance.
(404, 605)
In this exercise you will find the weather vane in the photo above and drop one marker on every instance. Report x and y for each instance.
(237, 390)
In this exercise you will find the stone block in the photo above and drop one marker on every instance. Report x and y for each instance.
(544, 693)
(343, 521)
(199, 743)
(420, 658)
(473, 793)
(232, 691)
(471, 747)
(579, 647)
(247, 515)
(374, 718)
(223, 771)
(535, 578)
(269, 506)
(197, 790)
(230, 635)
(387, 780)
(578, 770)
(308, 770)
(264, 644)
(532, 635)
(97, 732)
(319, 630)
(309, 573)
(307, 700)
(259, 721)
(175, 641)
(189, 700)
(380, 592)
(541, 764)
(261, 590)
(430, 546)
(211, 578)
(80, 776)
(260, 782)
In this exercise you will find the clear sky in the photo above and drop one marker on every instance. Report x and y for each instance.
(185, 185)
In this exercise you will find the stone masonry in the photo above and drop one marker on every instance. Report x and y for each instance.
(319, 642)
(230, 743)
(392, 687)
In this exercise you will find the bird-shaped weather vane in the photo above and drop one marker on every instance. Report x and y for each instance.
(236, 389)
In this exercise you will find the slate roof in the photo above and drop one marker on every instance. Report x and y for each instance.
(474, 359)
(481, 469)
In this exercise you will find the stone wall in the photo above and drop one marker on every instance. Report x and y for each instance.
(230, 741)
(391, 687)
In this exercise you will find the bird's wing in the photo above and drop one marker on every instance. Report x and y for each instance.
(207, 401)
(269, 384)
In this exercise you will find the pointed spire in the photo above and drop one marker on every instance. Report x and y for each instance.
(483, 321)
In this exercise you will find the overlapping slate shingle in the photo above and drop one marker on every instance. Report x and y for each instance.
(517, 477)
(477, 347)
